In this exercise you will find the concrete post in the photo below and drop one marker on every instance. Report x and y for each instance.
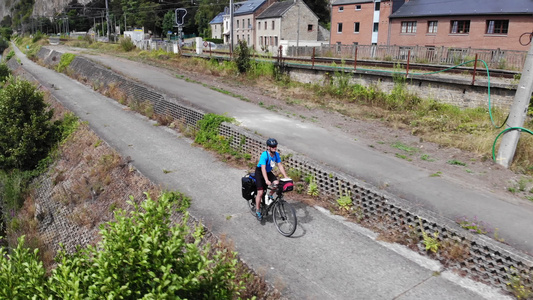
(518, 113)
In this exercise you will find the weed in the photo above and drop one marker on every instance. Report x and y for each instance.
(65, 61)
(98, 142)
(166, 171)
(426, 157)
(345, 201)
(454, 250)
(402, 156)
(300, 187)
(517, 286)
(474, 226)
(455, 162)
(286, 157)
(403, 147)
(431, 242)
(295, 174)
(312, 188)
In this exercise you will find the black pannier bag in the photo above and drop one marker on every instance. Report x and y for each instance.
(248, 187)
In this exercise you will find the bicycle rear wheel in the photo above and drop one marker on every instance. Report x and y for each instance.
(285, 218)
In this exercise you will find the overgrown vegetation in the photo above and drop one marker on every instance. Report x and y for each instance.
(65, 61)
(126, 44)
(242, 56)
(141, 254)
(27, 132)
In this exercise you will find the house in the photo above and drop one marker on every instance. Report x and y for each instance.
(217, 26)
(363, 22)
(287, 20)
(486, 24)
(244, 20)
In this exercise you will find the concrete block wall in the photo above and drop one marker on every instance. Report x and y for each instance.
(488, 260)
(451, 91)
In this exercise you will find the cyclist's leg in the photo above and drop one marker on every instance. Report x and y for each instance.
(272, 178)
(261, 187)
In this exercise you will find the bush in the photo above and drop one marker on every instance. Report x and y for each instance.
(4, 44)
(242, 57)
(4, 72)
(10, 55)
(126, 44)
(26, 131)
(140, 255)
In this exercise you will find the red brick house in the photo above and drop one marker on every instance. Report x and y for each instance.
(364, 22)
(487, 24)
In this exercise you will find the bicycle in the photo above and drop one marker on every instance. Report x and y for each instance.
(283, 213)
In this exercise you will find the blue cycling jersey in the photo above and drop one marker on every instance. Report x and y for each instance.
(269, 161)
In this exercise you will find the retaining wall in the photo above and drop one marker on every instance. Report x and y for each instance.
(489, 261)
(445, 89)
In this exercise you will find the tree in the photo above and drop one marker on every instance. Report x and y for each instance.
(321, 9)
(207, 10)
(168, 21)
(242, 56)
(6, 21)
(26, 131)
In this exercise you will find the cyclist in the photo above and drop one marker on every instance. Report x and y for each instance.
(264, 175)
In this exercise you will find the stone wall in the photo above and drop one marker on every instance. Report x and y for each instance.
(488, 261)
(458, 92)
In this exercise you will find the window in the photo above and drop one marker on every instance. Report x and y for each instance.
(310, 27)
(358, 7)
(272, 24)
(249, 24)
(356, 27)
(275, 41)
(265, 25)
(248, 40)
(432, 26)
(461, 27)
(497, 26)
(339, 27)
(376, 27)
(409, 27)
(376, 6)
(341, 8)
(237, 24)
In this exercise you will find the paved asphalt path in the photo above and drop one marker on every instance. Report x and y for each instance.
(327, 258)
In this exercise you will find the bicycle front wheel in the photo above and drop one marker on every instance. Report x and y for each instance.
(285, 218)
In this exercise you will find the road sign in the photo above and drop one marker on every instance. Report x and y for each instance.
(180, 15)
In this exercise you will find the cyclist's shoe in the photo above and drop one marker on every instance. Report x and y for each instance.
(259, 216)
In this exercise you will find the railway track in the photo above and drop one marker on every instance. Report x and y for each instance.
(378, 65)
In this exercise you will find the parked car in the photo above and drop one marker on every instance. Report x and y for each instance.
(208, 45)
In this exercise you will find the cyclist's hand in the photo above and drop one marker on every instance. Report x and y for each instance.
(268, 183)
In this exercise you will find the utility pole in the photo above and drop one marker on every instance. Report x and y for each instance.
(107, 19)
(298, 31)
(231, 10)
(518, 112)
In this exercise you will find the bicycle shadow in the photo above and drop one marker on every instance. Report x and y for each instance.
(302, 215)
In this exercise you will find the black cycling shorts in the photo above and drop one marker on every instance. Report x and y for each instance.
(260, 182)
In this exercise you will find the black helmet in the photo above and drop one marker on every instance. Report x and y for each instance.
(272, 142)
